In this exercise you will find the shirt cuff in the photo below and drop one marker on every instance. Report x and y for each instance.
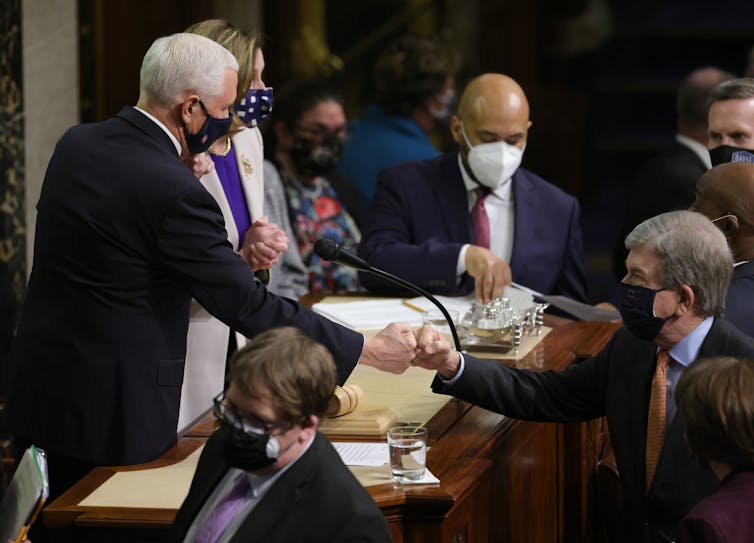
(461, 366)
(461, 264)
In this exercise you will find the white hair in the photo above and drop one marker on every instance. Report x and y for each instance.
(184, 62)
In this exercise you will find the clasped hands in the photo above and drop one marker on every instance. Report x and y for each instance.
(397, 347)
(263, 244)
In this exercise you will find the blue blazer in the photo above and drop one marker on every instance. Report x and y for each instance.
(126, 236)
(419, 220)
(739, 308)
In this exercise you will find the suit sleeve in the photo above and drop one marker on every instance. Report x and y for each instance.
(572, 280)
(193, 245)
(576, 394)
(389, 238)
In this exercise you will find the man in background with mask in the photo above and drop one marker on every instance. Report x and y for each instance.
(725, 195)
(267, 474)
(125, 237)
(475, 220)
(730, 118)
(679, 267)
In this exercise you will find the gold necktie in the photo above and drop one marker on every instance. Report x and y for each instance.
(657, 415)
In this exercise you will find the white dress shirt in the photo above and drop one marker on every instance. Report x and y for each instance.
(501, 214)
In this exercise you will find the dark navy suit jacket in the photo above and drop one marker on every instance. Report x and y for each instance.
(317, 500)
(739, 302)
(419, 220)
(126, 236)
(616, 384)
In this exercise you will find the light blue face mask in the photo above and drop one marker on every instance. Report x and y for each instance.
(254, 107)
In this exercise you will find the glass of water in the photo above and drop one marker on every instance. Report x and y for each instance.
(408, 452)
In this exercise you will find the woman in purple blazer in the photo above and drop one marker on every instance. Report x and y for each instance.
(716, 398)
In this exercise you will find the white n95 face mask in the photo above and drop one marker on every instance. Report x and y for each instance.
(493, 163)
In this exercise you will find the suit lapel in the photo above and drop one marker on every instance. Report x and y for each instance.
(525, 209)
(449, 191)
(250, 172)
(202, 489)
(744, 270)
(211, 182)
(281, 499)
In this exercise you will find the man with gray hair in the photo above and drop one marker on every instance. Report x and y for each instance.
(679, 266)
(125, 237)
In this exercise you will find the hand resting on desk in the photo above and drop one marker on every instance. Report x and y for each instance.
(491, 274)
(434, 352)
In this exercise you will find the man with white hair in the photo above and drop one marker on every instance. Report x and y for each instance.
(672, 296)
(125, 237)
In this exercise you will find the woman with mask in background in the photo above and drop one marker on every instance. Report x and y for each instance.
(233, 176)
(303, 150)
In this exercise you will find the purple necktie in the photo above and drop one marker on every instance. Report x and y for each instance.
(216, 522)
(480, 220)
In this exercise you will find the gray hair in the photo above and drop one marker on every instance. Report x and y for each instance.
(733, 89)
(692, 252)
(184, 62)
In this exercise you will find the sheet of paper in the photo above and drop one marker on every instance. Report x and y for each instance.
(370, 314)
(362, 454)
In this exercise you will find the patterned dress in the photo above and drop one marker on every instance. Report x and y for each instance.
(316, 212)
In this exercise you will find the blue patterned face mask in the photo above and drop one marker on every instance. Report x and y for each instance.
(212, 129)
(254, 107)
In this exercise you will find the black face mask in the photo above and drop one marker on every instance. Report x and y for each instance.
(725, 153)
(246, 451)
(212, 129)
(315, 161)
(636, 307)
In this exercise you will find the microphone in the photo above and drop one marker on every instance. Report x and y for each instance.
(329, 250)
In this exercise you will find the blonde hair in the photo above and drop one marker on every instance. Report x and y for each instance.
(243, 45)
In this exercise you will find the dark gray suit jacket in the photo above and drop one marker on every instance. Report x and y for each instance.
(616, 384)
(317, 500)
(739, 302)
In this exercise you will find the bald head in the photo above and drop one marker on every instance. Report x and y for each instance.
(493, 107)
(727, 191)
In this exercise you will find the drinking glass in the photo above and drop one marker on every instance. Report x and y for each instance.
(408, 452)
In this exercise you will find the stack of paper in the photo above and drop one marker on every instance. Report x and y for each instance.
(370, 314)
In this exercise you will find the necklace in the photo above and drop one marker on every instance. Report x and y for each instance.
(225, 151)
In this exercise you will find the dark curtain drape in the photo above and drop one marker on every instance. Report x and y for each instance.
(12, 215)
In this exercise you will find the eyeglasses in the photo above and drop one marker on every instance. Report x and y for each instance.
(248, 423)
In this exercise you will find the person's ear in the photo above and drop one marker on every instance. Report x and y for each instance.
(189, 107)
(308, 428)
(730, 227)
(455, 130)
(686, 299)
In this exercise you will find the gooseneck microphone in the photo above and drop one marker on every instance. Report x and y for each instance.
(329, 250)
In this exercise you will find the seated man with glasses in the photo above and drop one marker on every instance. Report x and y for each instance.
(266, 474)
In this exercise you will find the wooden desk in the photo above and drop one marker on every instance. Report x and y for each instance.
(501, 479)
